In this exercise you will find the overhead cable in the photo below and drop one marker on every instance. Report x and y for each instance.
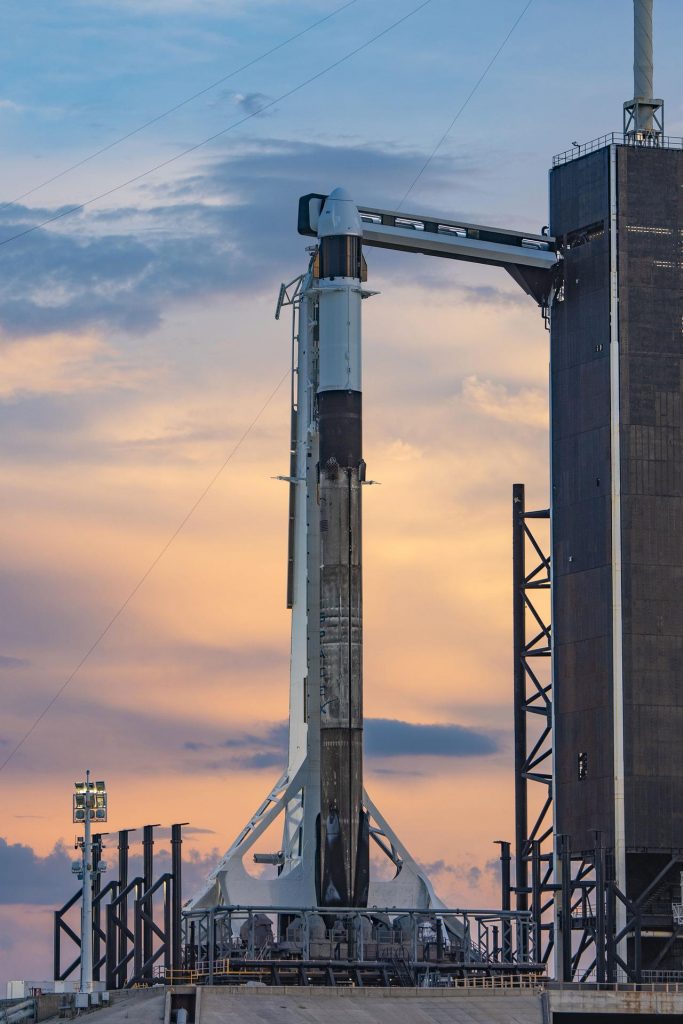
(462, 107)
(150, 568)
(217, 135)
(103, 633)
(178, 106)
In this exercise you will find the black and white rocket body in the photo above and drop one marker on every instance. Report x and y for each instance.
(327, 814)
(343, 853)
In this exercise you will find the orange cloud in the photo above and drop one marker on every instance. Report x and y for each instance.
(525, 406)
(61, 364)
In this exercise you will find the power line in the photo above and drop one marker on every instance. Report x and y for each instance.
(178, 106)
(155, 561)
(253, 423)
(476, 85)
(217, 135)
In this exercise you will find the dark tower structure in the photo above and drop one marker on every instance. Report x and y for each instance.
(616, 211)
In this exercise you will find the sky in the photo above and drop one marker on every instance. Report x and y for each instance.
(138, 343)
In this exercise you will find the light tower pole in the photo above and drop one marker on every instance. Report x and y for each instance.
(89, 804)
(86, 904)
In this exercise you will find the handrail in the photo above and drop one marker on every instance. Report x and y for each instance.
(616, 986)
(485, 913)
(618, 139)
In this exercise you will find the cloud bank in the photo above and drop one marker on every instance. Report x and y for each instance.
(228, 227)
(384, 738)
(26, 877)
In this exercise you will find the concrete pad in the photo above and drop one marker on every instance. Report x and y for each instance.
(136, 1006)
(276, 1005)
(586, 999)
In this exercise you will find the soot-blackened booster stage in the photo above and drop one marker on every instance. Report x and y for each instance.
(617, 520)
(343, 854)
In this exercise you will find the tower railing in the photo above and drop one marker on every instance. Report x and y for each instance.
(617, 139)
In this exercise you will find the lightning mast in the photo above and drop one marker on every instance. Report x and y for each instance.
(643, 115)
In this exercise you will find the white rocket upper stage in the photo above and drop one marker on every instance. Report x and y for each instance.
(339, 215)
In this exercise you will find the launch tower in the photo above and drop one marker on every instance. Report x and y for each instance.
(616, 210)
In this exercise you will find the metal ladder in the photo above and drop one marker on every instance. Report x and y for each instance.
(403, 971)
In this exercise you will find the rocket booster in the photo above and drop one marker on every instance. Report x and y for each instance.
(343, 849)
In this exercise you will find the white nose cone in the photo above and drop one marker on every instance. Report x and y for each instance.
(339, 215)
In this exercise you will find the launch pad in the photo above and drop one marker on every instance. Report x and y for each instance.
(599, 870)
(593, 884)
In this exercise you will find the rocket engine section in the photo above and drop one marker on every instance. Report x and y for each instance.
(343, 837)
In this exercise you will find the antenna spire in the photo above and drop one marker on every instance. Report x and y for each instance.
(643, 115)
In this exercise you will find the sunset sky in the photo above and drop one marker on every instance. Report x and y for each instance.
(137, 343)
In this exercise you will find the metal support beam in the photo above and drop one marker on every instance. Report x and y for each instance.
(96, 913)
(519, 703)
(123, 886)
(536, 898)
(177, 907)
(61, 927)
(565, 964)
(505, 861)
(599, 908)
(532, 696)
(148, 875)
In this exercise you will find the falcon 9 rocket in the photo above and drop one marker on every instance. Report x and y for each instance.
(343, 860)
